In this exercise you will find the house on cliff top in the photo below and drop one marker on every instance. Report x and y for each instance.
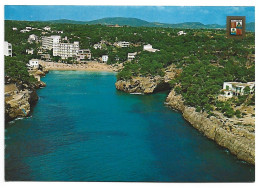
(33, 64)
(231, 89)
(149, 48)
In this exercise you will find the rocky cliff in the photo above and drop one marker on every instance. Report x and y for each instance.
(18, 101)
(150, 84)
(21, 97)
(239, 140)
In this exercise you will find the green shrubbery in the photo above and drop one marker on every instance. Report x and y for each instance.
(124, 75)
(200, 82)
(177, 90)
(207, 57)
(17, 70)
(145, 66)
(227, 110)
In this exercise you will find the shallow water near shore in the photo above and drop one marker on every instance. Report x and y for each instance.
(83, 129)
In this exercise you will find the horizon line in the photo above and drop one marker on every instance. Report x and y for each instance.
(113, 17)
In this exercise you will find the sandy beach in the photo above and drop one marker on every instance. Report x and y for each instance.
(90, 66)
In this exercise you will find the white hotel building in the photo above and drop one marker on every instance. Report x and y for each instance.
(7, 49)
(66, 50)
(49, 42)
(83, 54)
(123, 44)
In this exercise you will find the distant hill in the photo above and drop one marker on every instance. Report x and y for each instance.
(66, 21)
(135, 22)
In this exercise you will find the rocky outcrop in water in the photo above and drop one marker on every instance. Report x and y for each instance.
(237, 139)
(142, 84)
(150, 84)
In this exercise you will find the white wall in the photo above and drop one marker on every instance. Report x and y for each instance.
(7, 51)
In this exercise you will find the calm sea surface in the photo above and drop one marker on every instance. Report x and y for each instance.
(83, 129)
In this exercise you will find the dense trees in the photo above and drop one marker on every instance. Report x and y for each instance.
(206, 56)
(17, 71)
(199, 84)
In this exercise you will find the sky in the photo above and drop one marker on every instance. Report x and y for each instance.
(163, 14)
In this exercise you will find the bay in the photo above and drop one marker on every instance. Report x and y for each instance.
(83, 129)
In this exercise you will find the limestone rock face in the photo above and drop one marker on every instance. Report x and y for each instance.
(147, 85)
(19, 99)
(144, 85)
(239, 141)
(18, 102)
(40, 84)
(40, 73)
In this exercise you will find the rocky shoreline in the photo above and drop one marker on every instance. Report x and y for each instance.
(21, 97)
(238, 140)
(148, 85)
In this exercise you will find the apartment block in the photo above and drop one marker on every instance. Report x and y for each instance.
(49, 42)
(66, 50)
(7, 49)
(84, 54)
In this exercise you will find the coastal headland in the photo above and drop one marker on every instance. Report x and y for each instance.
(21, 97)
(235, 134)
(239, 140)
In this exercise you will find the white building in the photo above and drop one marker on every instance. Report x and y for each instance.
(66, 50)
(47, 28)
(14, 28)
(104, 58)
(97, 46)
(231, 89)
(123, 44)
(7, 49)
(49, 42)
(150, 48)
(46, 57)
(33, 63)
(131, 56)
(181, 33)
(28, 28)
(29, 51)
(32, 38)
(83, 54)
(24, 31)
(59, 31)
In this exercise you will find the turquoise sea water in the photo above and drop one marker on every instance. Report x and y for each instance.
(83, 129)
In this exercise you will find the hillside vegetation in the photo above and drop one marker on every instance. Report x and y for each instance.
(207, 58)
